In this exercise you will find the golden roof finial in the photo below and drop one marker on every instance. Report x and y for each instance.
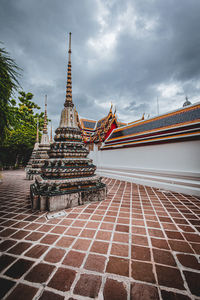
(45, 116)
(68, 99)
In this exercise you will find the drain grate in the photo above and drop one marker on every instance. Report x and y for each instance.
(56, 214)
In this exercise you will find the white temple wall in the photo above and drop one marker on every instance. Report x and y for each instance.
(171, 166)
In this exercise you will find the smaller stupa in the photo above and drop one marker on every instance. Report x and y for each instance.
(33, 154)
(42, 151)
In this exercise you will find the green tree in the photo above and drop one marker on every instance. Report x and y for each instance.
(9, 74)
(20, 137)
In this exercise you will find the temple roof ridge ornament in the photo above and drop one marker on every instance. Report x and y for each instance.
(187, 102)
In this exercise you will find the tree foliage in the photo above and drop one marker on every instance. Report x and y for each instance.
(20, 136)
(9, 74)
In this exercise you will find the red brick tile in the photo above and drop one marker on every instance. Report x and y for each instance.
(139, 240)
(121, 237)
(20, 248)
(192, 237)
(22, 292)
(169, 277)
(74, 258)
(137, 222)
(65, 242)
(196, 247)
(140, 253)
(193, 280)
(173, 296)
(186, 228)
(169, 226)
(122, 228)
(46, 295)
(188, 261)
(72, 215)
(54, 255)
(156, 233)
(109, 219)
(45, 228)
(159, 243)
(5, 285)
(114, 290)
(95, 263)
(7, 232)
(36, 251)
(153, 224)
(34, 236)
(88, 285)
(58, 229)
(163, 257)
(84, 216)
(5, 261)
(103, 235)
(20, 224)
(99, 247)
(62, 279)
(20, 267)
(119, 266)
(79, 223)
(140, 291)
(66, 222)
(180, 246)
(91, 224)
(107, 226)
(142, 271)
(32, 226)
(96, 218)
(82, 244)
(174, 235)
(119, 250)
(39, 273)
(88, 233)
(180, 221)
(73, 231)
(139, 230)
(49, 239)
(123, 221)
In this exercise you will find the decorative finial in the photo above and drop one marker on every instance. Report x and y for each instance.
(68, 100)
(37, 136)
(70, 50)
(51, 139)
(45, 116)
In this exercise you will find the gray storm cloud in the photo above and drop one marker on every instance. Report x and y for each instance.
(127, 52)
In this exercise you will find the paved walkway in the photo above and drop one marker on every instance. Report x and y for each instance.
(140, 243)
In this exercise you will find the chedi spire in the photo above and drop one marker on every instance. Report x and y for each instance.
(68, 99)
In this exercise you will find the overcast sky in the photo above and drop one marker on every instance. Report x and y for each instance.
(129, 52)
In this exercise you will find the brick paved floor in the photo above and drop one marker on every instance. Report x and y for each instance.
(140, 243)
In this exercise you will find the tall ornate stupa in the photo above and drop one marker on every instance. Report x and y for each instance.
(68, 176)
(33, 154)
(42, 151)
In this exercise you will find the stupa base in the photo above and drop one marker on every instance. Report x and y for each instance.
(54, 202)
(30, 175)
